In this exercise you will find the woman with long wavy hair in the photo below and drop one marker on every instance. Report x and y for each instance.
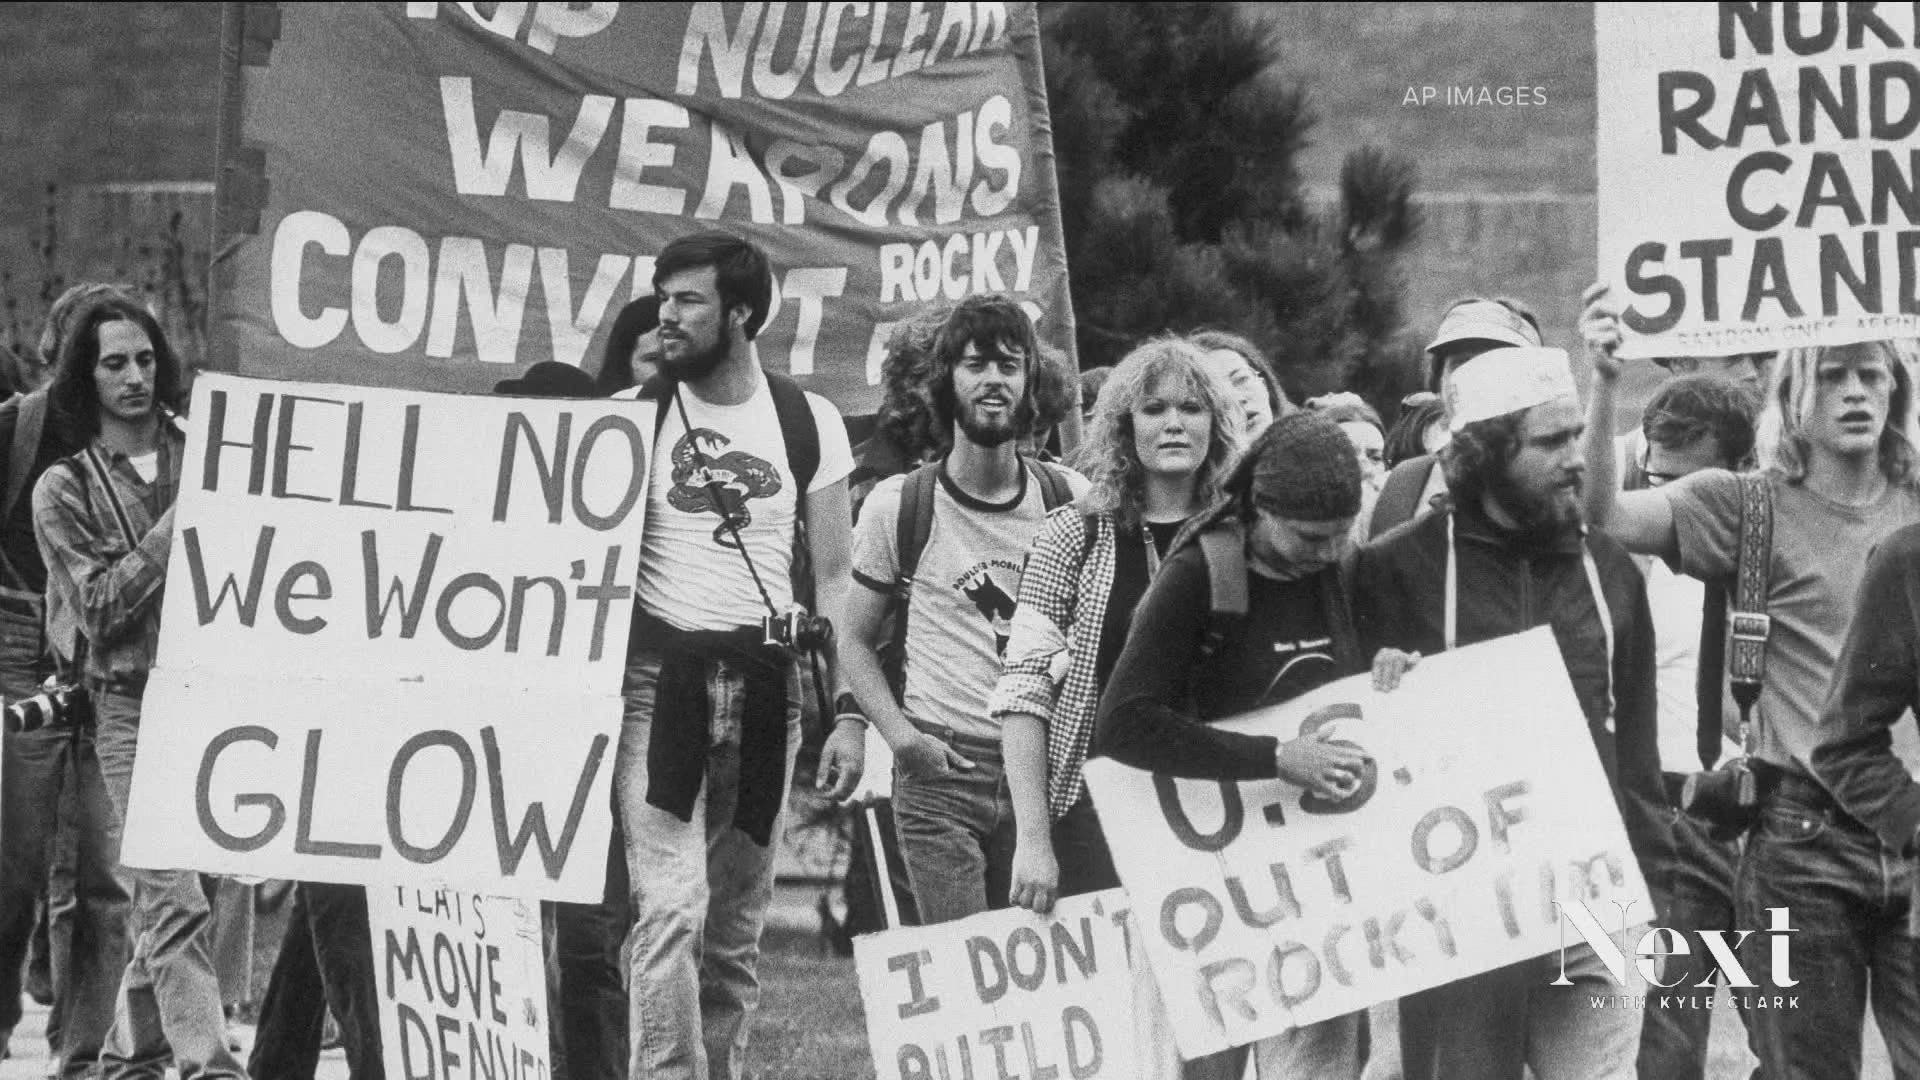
(1162, 438)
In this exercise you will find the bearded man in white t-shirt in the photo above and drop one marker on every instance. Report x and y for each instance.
(712, 717)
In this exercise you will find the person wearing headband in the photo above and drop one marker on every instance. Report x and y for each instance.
(1285, 513)
(1508, 553)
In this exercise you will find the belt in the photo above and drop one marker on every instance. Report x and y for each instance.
(1778, 783)
(969, 745)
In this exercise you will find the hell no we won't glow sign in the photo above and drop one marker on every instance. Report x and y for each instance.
(392, 639)
(436, 196)
(1261, 909)
(1759, 174)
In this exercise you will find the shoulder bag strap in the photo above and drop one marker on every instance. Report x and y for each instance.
(1750, 626)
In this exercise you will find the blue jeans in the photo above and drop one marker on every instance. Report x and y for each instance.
(1692, 886)
(1848, 898)
(169, 1001)
(53, 775)
(957, 833)
(700, 890)
(1494, 1025)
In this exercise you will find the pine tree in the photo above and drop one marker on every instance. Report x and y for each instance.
(1176, 141)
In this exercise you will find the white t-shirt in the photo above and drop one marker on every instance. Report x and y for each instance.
(691, 575)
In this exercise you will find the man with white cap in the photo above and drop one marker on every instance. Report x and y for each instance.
(1469, 328)
(1511, 548)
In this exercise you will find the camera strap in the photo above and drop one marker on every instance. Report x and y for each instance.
(1749, 624)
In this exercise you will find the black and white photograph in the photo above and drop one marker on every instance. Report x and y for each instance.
(915, 540)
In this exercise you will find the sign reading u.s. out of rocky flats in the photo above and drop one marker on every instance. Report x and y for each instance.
(1759, 172)
(1262, 908)
(392, 638)
(436, 195)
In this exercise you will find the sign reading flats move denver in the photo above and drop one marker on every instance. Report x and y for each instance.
(435, 196)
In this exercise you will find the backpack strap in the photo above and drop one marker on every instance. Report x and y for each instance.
(798, 431)
(22, 419)
(1399, 497)
(1054, 489)
(912, 526)
(1753, 567)
(1225, 553)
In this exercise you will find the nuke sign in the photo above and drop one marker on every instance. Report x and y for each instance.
(1649, 952)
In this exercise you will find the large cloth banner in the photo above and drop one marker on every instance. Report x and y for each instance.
(1759, 174)
(462, 985)
(435, 196)
(1263, 910)
(392, 638)
(1005, 993)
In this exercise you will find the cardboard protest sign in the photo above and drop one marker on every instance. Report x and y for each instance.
(1263, 910)
(462, 984)
(1759, 177)
(422, 195)
(392, 638)
(1011, 991)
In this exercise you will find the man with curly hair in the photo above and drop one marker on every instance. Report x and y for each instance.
(952, 602)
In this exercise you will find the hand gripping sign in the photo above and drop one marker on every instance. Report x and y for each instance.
(1261, 910)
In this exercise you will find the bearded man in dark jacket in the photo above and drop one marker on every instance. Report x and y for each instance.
(1509, 554)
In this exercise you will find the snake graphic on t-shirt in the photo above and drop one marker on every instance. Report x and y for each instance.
(742, 477)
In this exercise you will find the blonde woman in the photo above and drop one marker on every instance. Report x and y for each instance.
(1162, 438)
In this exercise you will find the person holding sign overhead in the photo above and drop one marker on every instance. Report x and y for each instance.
(1509, 554)
(104, 521)
(742, 458)
(1162, 437)
(1837, 449)
(1198, 652)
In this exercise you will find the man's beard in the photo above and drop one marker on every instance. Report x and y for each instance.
(1539, 520)
(986, 433)
(693, 365)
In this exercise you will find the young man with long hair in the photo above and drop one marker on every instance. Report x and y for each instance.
(104, 521)
(1836, 447)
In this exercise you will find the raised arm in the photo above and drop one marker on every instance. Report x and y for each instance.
(1641, 520)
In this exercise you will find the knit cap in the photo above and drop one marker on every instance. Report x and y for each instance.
(1303, 467)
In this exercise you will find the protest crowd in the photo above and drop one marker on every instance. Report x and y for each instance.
(1000, 618)
(1024, 582)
